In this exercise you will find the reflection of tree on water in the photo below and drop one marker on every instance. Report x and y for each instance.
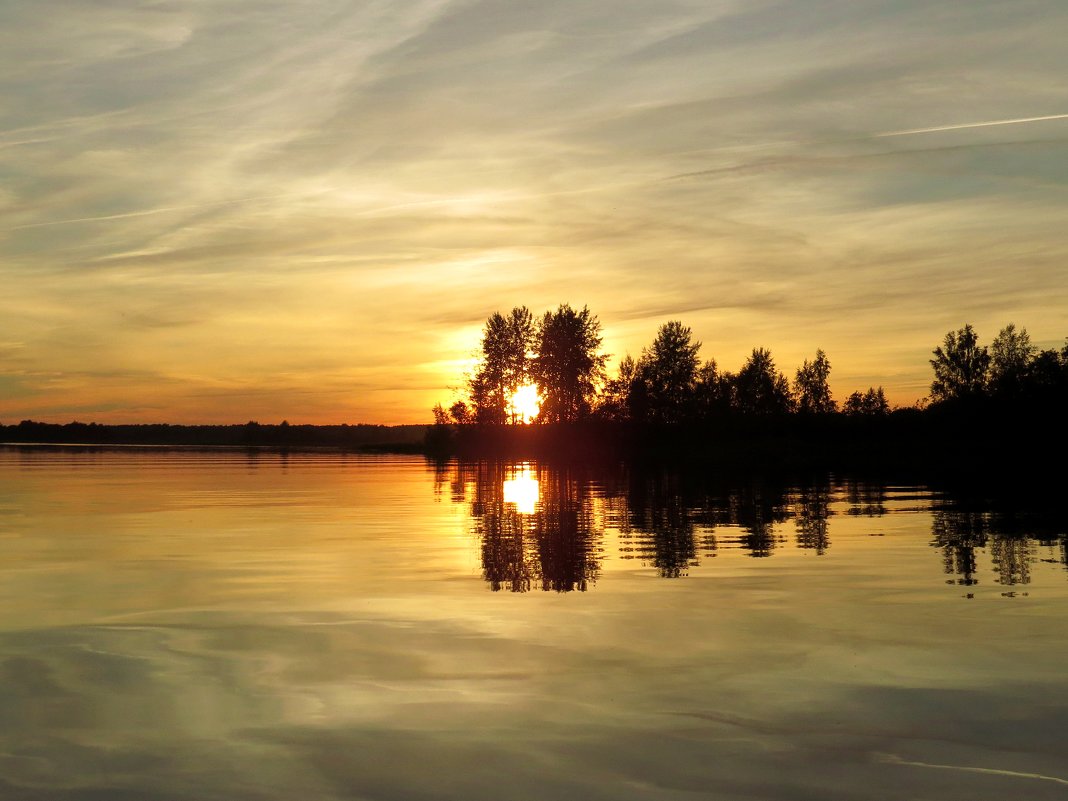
(568, 546)
(666, 519)
(866, 500)
(549, 544)
(960, 533)
(673, 519)
(658, 525)
(813, 506)
(507, 561)
(757, 509)
(1012, 559)
(544, 527)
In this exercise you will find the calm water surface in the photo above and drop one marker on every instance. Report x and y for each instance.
(225, 626)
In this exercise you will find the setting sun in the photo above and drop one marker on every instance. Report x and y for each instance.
(524, 404)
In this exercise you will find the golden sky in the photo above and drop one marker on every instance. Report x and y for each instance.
(217, 211)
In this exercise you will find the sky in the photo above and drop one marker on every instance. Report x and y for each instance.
(222, 210)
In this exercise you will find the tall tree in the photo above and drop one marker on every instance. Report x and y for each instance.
(489, 386)
(960, 366)
(668, 371)
(811, 391)
(759, 388)
(521, 332)
(1047, 374)
(712, 391)
(1011, 354)
(504, 363)
(615, 400)
(567, 366)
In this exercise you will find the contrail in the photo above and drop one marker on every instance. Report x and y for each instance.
(986, 124)
(893, 759)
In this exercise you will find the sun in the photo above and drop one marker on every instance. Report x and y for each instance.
(524, 404)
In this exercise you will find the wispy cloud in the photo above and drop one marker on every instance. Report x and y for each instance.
(144, 212)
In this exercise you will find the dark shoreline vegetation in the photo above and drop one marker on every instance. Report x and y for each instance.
(1002, 405)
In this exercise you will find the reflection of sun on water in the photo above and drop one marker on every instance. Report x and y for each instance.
(524, 404)
(522, 490)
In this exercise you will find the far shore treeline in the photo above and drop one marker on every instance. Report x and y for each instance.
(667, 400)
(249, 435)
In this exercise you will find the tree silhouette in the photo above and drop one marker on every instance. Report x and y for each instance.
(872, 402)
(668, 371)
(489, 387)
(560, 352)
(461, 413)
(504, 363)
(1011, 353)
(811, 391)
(759, 388)
(615, 401)
(521, 332)
(568, 367)
(1047, 374)
(712, 391)
(960, 366)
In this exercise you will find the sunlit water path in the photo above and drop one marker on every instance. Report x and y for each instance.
(184, 625)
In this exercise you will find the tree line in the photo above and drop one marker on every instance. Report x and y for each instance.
(560, 353)
(668, 383)
(405, 438)
(1011, 370)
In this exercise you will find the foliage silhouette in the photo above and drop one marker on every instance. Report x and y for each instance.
(872, 402)
(713, 392)
(667, 373)
(618, 394)
(667, 400)
(960, 366)
(504, 364)
(568, 367)
(759, 388)
(811, 391)
(1011, 353)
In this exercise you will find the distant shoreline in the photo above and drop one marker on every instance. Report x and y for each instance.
(394, 448)
(962, 441)
(355, 438)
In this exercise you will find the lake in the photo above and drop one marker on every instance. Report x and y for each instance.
(233, 625)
